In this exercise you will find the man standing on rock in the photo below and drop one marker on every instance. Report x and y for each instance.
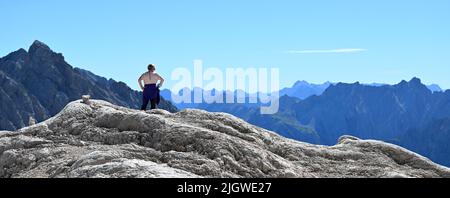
(150, 87)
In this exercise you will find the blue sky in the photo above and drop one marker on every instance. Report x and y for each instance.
(314, 40)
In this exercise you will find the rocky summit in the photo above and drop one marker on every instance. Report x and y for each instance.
(100, 139)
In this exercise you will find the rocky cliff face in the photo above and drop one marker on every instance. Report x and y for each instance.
(39, 83)
(105, 140)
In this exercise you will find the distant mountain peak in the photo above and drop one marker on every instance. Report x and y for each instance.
(38, 45)
(303, 89)
(434, 88)
(300, 83)
(21, 51)
(415, 80)
(17, 55)
(306, 83)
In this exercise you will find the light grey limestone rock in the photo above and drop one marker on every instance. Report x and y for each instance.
(104, 140)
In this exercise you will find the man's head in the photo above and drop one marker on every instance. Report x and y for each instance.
(151, 68)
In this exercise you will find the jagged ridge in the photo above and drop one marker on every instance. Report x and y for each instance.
(104, 140)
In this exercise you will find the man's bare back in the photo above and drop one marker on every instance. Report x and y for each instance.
(150, 78)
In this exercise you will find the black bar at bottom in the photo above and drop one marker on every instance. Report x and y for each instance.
(224, 187)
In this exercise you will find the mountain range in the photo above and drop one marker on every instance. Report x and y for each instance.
(38, 83)
(408, 114)
(300, 89)
(303, 89)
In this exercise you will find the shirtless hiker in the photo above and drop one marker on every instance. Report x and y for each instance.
(150, 87)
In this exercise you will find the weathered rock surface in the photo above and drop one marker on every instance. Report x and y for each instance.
(104, 140)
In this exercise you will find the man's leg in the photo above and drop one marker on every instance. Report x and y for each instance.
(153, 103)
(145, 100)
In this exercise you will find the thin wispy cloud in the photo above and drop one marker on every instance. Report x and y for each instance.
(327, 51)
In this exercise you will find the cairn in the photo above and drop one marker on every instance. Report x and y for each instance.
(31, 121)
(86, 99)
